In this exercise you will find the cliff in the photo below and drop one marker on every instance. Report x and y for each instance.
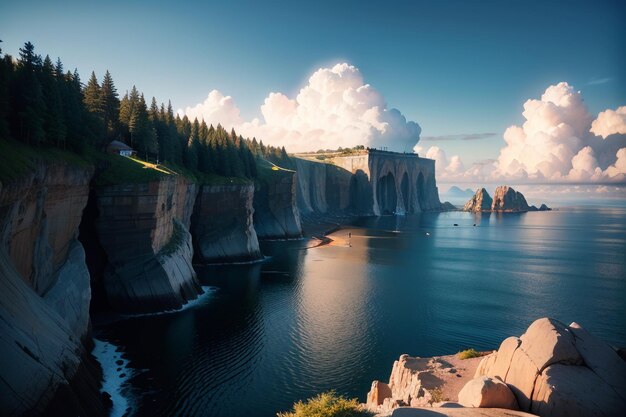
(481, 201)
(276, 215)
(45, 294)
(373, 182)
(507, 199)
(222, 224)
(144, 230)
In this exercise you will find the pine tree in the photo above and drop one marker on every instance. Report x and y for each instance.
(92, 98)
(110, 106)
(54, 120)
(30, 107)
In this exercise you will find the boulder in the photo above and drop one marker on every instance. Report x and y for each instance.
(487, 392)
(548, 341)
(574, 391)
(601, 359)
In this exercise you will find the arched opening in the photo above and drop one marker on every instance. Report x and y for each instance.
(404, 188)
(386, 195)
(421, 191)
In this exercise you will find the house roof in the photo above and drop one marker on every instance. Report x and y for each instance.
(120, 146)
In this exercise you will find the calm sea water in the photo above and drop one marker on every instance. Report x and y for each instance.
(336, 317)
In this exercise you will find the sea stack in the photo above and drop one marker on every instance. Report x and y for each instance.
(507, 199)
(481, 201)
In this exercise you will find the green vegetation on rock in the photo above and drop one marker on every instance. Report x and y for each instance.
(327, 404)
(469, 353)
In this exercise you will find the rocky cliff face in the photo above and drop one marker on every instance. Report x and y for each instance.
(324, 188)
(507, 199)
(481, 201)
(44, 295)
(276, 214)
(144, 229)
(222, 224)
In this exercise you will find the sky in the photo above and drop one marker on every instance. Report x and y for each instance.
(317, 74)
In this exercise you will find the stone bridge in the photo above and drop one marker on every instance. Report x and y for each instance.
(377, 182)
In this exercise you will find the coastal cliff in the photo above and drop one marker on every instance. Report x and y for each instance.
(222, 224)
(45, 294)
(144, 230)
(370, 182)
(276, 214)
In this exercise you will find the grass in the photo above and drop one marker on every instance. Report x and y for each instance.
(175, 242)
(469, 353)
(18, 159)
(327, 404)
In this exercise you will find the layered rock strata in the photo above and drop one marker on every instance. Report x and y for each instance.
(222, 224)
(276, 214)
(44, 295)
(144, 230)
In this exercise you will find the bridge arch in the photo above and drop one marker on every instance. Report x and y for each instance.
(387, 195)
(421, 191)
(404, 190)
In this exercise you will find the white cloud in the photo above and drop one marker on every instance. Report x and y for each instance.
(335, 108)
(610, 122)
(217, 108)
(557, 142)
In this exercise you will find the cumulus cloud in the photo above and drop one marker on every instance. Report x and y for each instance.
(217, 108)
(610, 122)
(558, 141)
(335, 108)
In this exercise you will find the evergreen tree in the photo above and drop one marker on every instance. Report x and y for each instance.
(110, 106)
(30, 107)
(92, 98)
(54, 120)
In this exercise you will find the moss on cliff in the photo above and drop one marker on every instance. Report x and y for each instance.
(17, 159)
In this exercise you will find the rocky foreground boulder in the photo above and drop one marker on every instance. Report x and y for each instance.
(558, 370)
(552, 370)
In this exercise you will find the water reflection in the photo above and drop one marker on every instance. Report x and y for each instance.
(337, 316)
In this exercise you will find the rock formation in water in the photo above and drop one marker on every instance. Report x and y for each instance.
(374, 182)
(481, 201)
(507, 199)
(448, 206)
(552, 370)
(144, 230)
(222, 224)
(44, 295)
(276, 214)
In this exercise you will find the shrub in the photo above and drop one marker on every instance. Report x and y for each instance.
(327, 404)
(469, 353)
(436, 396)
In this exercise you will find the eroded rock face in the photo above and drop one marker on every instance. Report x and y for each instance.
(481, 201)
(506, 198)
(276, 214)
(222, 224)
(44, 295)
(144, 229)
(558, 370)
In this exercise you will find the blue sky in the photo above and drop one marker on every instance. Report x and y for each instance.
(454, 67)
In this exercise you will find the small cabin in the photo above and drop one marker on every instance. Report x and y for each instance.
(120, 148)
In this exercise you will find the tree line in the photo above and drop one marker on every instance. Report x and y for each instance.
(43, 105)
